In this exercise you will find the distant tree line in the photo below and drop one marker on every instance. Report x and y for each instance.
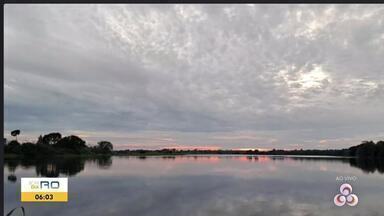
(53, 144)
(367, 149)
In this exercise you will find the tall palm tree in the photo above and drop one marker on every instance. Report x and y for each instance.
(15, 133)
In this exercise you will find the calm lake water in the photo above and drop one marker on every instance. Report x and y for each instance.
(202, 185)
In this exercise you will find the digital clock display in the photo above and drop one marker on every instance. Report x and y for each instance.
(44, 197)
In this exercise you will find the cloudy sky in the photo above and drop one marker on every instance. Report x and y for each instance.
(196, 76)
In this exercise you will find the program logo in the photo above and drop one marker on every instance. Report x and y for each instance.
(346, 196)
(44, 189)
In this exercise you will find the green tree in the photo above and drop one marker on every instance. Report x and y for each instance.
(28, 148)
(104, 147)
(52, 138)
(40, 141)
(13, 147)
(380, 149)
(366, 149)
(73, 143)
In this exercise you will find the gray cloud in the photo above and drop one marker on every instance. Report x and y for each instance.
(294, 74)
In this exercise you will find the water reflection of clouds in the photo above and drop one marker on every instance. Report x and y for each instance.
(233, 165)
(194, 195)
(189, 185)
(190, 165)
(238, 166)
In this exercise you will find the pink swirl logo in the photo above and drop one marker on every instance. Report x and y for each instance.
(345, 196)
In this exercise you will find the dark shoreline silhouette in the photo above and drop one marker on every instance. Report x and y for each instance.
(55, 144)
(53, 155)
(367, 149)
